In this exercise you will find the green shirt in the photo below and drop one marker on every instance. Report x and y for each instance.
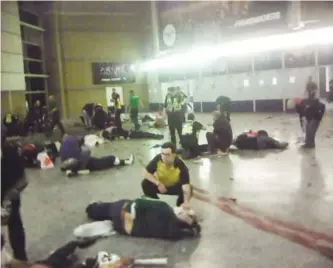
(134, 102)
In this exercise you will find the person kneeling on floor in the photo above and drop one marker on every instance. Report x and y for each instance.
(146, 217)
(220, 139)
(76, 158)
(189, 138)
(260, 140)
(167, 174)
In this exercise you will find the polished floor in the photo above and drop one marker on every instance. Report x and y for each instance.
(281, 214)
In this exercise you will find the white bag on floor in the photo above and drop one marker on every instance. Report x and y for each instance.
(94, 230)
(45, 161)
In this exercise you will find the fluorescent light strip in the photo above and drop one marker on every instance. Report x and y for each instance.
(240, 48)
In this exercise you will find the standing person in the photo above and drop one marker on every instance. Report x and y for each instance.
(311, 88)
(55, 115)
(167, 174)
(13, 181)
(38, 115)
(87, 114)
(173, 109)
(313, 110)
(115, 98)
(184, 103)
(223, 104)
(133, 107)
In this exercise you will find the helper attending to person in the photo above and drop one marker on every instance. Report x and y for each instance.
(257, 140)
(189, 139)
(220, 139)
(173, 108)
(13, 182)
(87, 114)
(112, 133)
(167, 174)
(76, 158)
(133, 108)
(223, 104)
(145, 217)
(312, 110)
(100, 119)
(55, 116)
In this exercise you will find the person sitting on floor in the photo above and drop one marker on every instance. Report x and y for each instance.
(101, 119)
(146, 217)
(76, 158)
(167, 174)
(112, 133)
(257, 140)
(31, 151)
(220, 139)
(189, 138)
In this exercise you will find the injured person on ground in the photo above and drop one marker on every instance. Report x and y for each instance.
(142, 217)
(76, 158)
(258, 140)
(31, 153)
(112, 133)
(167, 174)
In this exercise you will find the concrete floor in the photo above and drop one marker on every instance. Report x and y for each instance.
(291, 186)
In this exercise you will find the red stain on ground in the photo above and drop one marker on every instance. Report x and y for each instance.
(291, 231)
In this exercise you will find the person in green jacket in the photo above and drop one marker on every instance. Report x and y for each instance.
(146, 217)
(133, 108)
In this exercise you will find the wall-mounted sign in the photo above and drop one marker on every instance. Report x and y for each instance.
(113, 73)
(215, 21)
(268, 61)
(300, 58)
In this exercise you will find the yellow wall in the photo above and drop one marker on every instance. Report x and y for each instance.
(82, 43)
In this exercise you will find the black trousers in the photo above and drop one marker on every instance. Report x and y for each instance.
(310, 132)
(61, 258)
(151, 190)
(117, 118)
(102, 163)
(135, 118)
(56, 122)
(175, 122)
(194, 151)
(16, 232)
(215, 142)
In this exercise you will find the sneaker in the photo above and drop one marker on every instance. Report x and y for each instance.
(130, 160)
(307, 146)
(84, 172)
(70, 174)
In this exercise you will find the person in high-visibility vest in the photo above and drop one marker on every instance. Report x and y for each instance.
(173, 109)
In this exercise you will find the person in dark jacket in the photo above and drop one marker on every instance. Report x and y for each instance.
(101, 119)
(87, 114)
(311, 88)
(55, 116)
(112, 133)
(145, 217)
(13, 181)
(313, 111)
(220, 139)
(257, 140)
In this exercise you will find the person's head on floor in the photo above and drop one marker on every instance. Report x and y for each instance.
(168, 153)
(185, 215)
(190, 117)
(262, 133)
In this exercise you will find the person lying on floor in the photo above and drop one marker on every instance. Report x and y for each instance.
(76, 158)
(63, 257)
(257, 140)
(30, 153)
(189, 139)
(146, 217)
(220, 139)
(112, 133)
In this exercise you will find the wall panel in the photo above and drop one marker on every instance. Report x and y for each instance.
(10, 23)
(12, 63)
(11, 43)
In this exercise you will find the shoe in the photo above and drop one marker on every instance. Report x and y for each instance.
(70, 174)
(307, 146)
(130, 160)
(84, 172)
(85, 243)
